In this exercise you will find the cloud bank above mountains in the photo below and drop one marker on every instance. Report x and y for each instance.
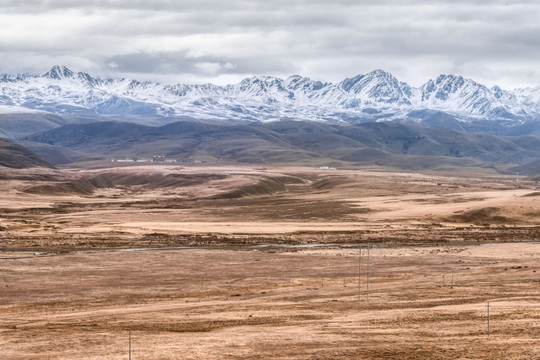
(494, 42)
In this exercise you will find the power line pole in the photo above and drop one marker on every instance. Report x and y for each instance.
(367, 276)
(359, 272)
(488, 319)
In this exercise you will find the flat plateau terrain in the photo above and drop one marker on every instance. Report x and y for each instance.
(257, 262)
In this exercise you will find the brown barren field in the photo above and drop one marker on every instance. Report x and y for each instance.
(253, 262)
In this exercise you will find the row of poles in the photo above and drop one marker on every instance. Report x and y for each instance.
(359, 285)
(367, 284)
(359, 290)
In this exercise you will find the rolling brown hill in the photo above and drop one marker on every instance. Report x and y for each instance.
(393, 144)
(13, 155)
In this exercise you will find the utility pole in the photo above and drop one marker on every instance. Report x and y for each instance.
(367, 276)
(359, 272)
(488, 319)
(129, 344)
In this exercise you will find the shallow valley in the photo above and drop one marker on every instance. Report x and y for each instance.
(244, 262)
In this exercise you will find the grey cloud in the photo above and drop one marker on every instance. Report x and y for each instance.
(168, 5)
(488, 40)
(181, 63)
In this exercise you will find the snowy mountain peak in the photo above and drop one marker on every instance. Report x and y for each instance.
(380, 87)
(260, 81)
(375, 95)
(58, 72)
(300, 83)
(530, 97)
(458, 95)
(85, 78)
(265, 88)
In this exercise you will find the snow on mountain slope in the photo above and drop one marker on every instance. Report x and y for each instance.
(530, 97)
(8, 109)
(375, 95)
(378, 87)
(455, 94)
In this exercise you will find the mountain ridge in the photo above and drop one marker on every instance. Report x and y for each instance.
(375, 96)
(383, 143)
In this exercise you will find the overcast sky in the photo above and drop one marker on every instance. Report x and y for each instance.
(218, 41)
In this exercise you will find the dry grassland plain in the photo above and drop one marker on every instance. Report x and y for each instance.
(258, 262)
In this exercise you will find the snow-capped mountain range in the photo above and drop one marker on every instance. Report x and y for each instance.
(377, 95)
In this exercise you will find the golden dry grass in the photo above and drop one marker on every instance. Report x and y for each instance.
(441, 248)
(424, 302)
